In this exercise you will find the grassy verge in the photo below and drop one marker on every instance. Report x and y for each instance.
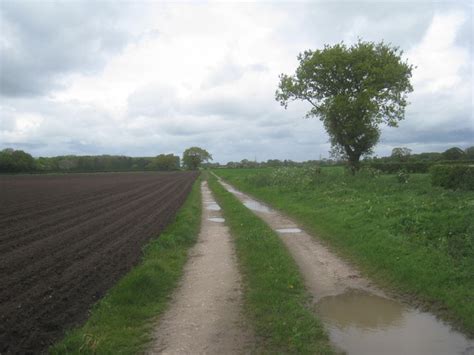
(121, 323)
(412, 237)
(275, 295)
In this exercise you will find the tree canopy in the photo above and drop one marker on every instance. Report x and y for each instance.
(194, 156)
(401, 153)
(454, 153)
(353, 90)
(16, 161)
(470, 153)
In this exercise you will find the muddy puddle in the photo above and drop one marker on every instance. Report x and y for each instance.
(212, 206)
(288, 230)
(256, 206)
(216, 219)
(363, 323)
(234, 191)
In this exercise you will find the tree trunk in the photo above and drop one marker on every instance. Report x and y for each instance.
(354, 163)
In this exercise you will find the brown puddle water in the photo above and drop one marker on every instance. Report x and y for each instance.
(363, 323)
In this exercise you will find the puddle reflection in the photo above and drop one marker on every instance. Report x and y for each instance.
(231, 189)
(216, 219)
(213, 207)
(257, 206)
(363, 323)
(289, 230)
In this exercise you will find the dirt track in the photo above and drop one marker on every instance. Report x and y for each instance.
(360, 317)
(66, 239)
(205, 315)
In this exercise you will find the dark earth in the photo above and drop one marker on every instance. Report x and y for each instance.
(66, 239)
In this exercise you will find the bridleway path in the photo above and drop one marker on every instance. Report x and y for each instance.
(205, 315)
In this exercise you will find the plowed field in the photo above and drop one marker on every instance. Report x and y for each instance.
(66, 239)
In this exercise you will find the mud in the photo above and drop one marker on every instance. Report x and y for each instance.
(66, 239)
(206, 312)
(360, 318)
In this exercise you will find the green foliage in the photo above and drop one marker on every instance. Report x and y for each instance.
(453, 176)
(164, 162)
(16, 161)
(401, 154)
(105, 163)
(352, 90)
(393, 168)
(403, 177)
(275, 295)
(122, 322)
(469, 153)
(454, 153)
(194, 156)
(418, 239)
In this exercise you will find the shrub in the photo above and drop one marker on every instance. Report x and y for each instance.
(453, 176)
(287, 178)
(395, 167)
(402, 177)
(369, 172)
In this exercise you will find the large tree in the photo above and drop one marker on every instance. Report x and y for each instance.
(401, 153)
(353, 90)
(194, 156)
(454, 153)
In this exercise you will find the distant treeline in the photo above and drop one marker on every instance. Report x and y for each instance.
(272, 163)
(17, 161)
(401, 159)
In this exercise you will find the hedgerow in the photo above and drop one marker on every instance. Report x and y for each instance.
(453, 176)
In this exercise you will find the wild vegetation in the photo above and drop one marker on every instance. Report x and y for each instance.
(405, 233)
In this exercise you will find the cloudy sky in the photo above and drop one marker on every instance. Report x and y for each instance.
(143, 78)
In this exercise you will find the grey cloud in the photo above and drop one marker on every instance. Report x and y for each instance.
(41, 41)
(228, 71)
(153, 100)
(232, 118)
(441, 134)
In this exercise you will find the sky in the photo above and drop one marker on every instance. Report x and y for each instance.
(144, 78)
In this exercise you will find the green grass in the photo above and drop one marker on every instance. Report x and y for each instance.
(275, 296)
(121, 323)
(416, 239)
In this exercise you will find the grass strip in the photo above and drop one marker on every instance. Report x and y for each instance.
(275, 296)
(412, 238)
(122, 322)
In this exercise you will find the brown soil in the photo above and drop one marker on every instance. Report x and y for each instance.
(66, 239)
(206, 312)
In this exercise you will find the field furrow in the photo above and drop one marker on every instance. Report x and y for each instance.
(63, 248)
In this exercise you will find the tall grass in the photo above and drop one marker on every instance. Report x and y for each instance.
(405, 233)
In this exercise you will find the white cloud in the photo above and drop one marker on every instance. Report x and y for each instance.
(438, 58)
(205, 74)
